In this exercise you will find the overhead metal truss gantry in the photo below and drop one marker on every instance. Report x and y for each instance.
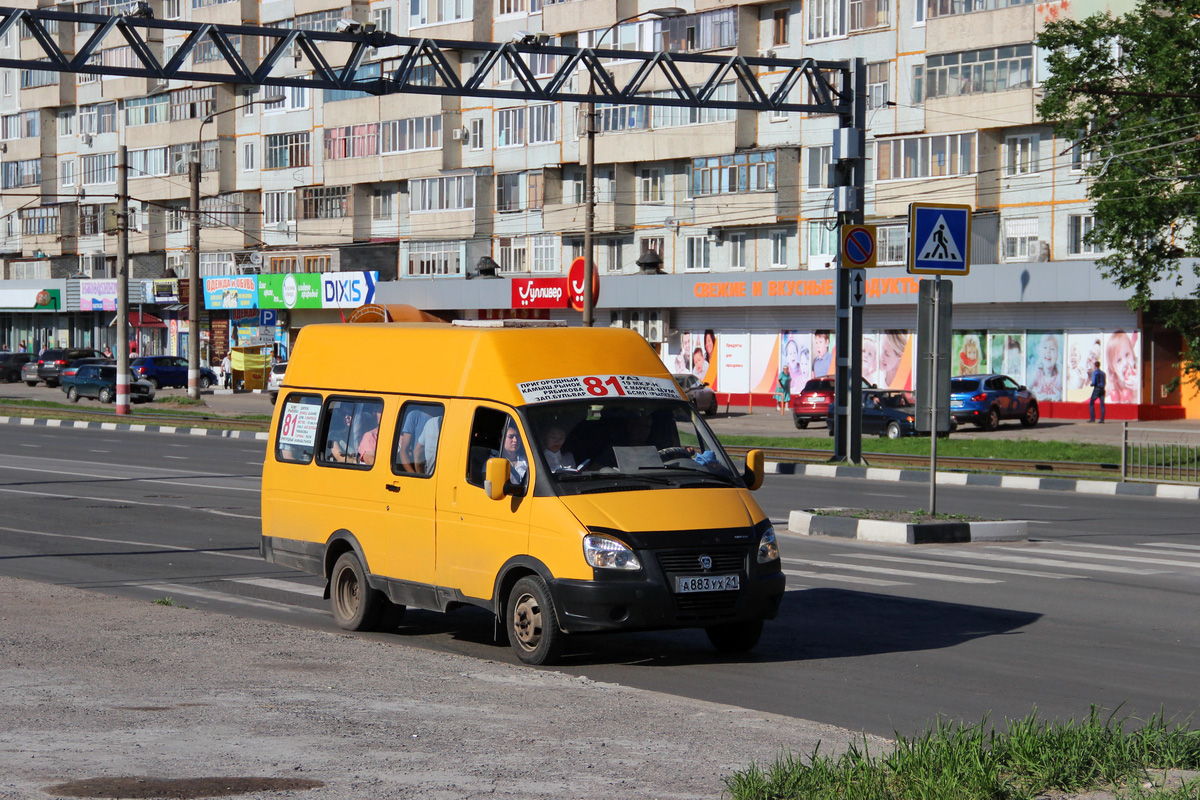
(336, 60)
(432, 66)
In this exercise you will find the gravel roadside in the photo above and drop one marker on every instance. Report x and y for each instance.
(93, 686)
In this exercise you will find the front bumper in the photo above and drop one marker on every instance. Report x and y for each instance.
(646, 600)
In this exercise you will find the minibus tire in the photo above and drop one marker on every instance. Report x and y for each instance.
(391, 615)
(356, 606)
(735, 637)
(532, 622)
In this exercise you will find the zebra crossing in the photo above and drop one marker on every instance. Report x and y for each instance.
(1053, 561)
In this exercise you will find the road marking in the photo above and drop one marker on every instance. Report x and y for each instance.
(1049, 562)
(181, 458)
(842, 578)
(881, 494)
(176, 482)
(1174, 546)
(285, 586)
(1039, 505)
(178, 589)
(119, 502)
(977, 567)
(1119, 548)
(171, 547)
(903, 573)
(1169, 562)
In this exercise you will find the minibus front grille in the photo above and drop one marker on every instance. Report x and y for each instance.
(705, 605)
(688, 561)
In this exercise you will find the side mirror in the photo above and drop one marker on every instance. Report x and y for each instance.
(754, 469)
(495, 476)
(1022, 389)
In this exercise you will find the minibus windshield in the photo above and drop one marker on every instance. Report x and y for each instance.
(584, 446)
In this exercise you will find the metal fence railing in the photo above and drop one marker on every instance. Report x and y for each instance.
(1160, 455)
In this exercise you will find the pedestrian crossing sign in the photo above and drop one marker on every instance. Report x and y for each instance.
(939, 240)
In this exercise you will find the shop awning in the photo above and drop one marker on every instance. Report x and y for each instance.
(142, 320)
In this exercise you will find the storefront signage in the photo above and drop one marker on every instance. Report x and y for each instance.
(577, 279)
(231, 291)
(97, 295)
(874, 287)
(166, 291)
(591, 387)
(539, 292)
(41, 299)
(317, 290)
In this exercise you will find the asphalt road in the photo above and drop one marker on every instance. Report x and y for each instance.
(1099, 610)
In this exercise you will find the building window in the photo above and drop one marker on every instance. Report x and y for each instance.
(1081, 157)
(826, 19)
(779, 27)
(39, 221)
(21, 125)
(737, 251)
(1078, 227)
(176, 219)
(22, 173)
(151, 161)
(942, 8)
(66, 122)
(699, 253)
(352, 141)
(1021, 239)
(98, 118)
(451, 193)
(323, 202)
(892, 245)
(147, 110)
(779, 249)
(434, 258)
(822, 244)
(382, 18)
(510, 253)
(408, 135)
(280, 265)
(819, 159)
(543, 123)
(383, 203)
(279, 207)
(995, 69)
(181, 155)
(213, 264)
(1021, 155)
(510, 127)
(508, 191)
(534, 190)
(193, 103)
(653, 244)
(432, 12)
(66, 171)
(652, 185)
(100, 168)
(477, 134)
(286, 150)
(877, 84)
(918, 83)
(318, 263)
(741, 172)
(545, 253)
(867, 14)
(925, 156)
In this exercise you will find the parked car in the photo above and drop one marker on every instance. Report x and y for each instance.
(887, 412)
(275, 379)
(701, 395)
(812, 402)
(29, 373)
(10, 366)
(162, 371)
(71, 368)
(987, 399)
(51, 362)
(99, 381)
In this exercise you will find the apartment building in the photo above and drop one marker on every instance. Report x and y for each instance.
(418, 189)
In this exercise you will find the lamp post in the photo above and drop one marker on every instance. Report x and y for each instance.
(194, 244)
(589, 215)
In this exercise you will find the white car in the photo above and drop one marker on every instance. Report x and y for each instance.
(275, 379)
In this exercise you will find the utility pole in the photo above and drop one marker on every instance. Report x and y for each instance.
(123, 407)
(194, 288)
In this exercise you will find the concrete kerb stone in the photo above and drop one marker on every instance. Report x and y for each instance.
(810, 522)
(133, 427)
(1168, 491)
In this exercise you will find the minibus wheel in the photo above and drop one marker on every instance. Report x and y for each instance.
(355, 604)
(532, 622)
(737, 637)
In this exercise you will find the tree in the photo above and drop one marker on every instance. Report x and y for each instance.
(1127, 90)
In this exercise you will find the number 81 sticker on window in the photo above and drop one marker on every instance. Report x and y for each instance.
(583, 387)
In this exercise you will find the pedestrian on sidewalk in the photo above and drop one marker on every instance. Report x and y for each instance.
(783, 395)
(1098, 383)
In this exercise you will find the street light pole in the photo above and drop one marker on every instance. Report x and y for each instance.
(589, 187)
(194, 288)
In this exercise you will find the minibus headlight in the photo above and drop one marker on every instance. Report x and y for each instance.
(768, 550)
(605, 553)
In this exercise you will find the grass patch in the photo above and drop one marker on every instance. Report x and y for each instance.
(975, 447)
(168, 601)
(959, 762)
(918, 516)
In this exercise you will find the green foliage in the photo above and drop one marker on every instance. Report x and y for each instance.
(1127, 89)
(977, 762)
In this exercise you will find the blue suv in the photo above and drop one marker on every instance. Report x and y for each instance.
(986, 399)
(163, 371)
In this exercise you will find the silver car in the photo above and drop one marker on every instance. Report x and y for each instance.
(699, 393)
(275, 380)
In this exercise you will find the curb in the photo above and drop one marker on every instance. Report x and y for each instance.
(806, 523)
(41, 422)
(1083, 486)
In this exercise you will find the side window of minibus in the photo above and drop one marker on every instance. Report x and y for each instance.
(298, 424)
(350, 432)
(419, 428)
(487, 434)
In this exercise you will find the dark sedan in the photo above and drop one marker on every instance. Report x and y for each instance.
(699, 393)
(987, 399)
(164, 371)
(99, 381)
(888, 413)
(10, 366)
